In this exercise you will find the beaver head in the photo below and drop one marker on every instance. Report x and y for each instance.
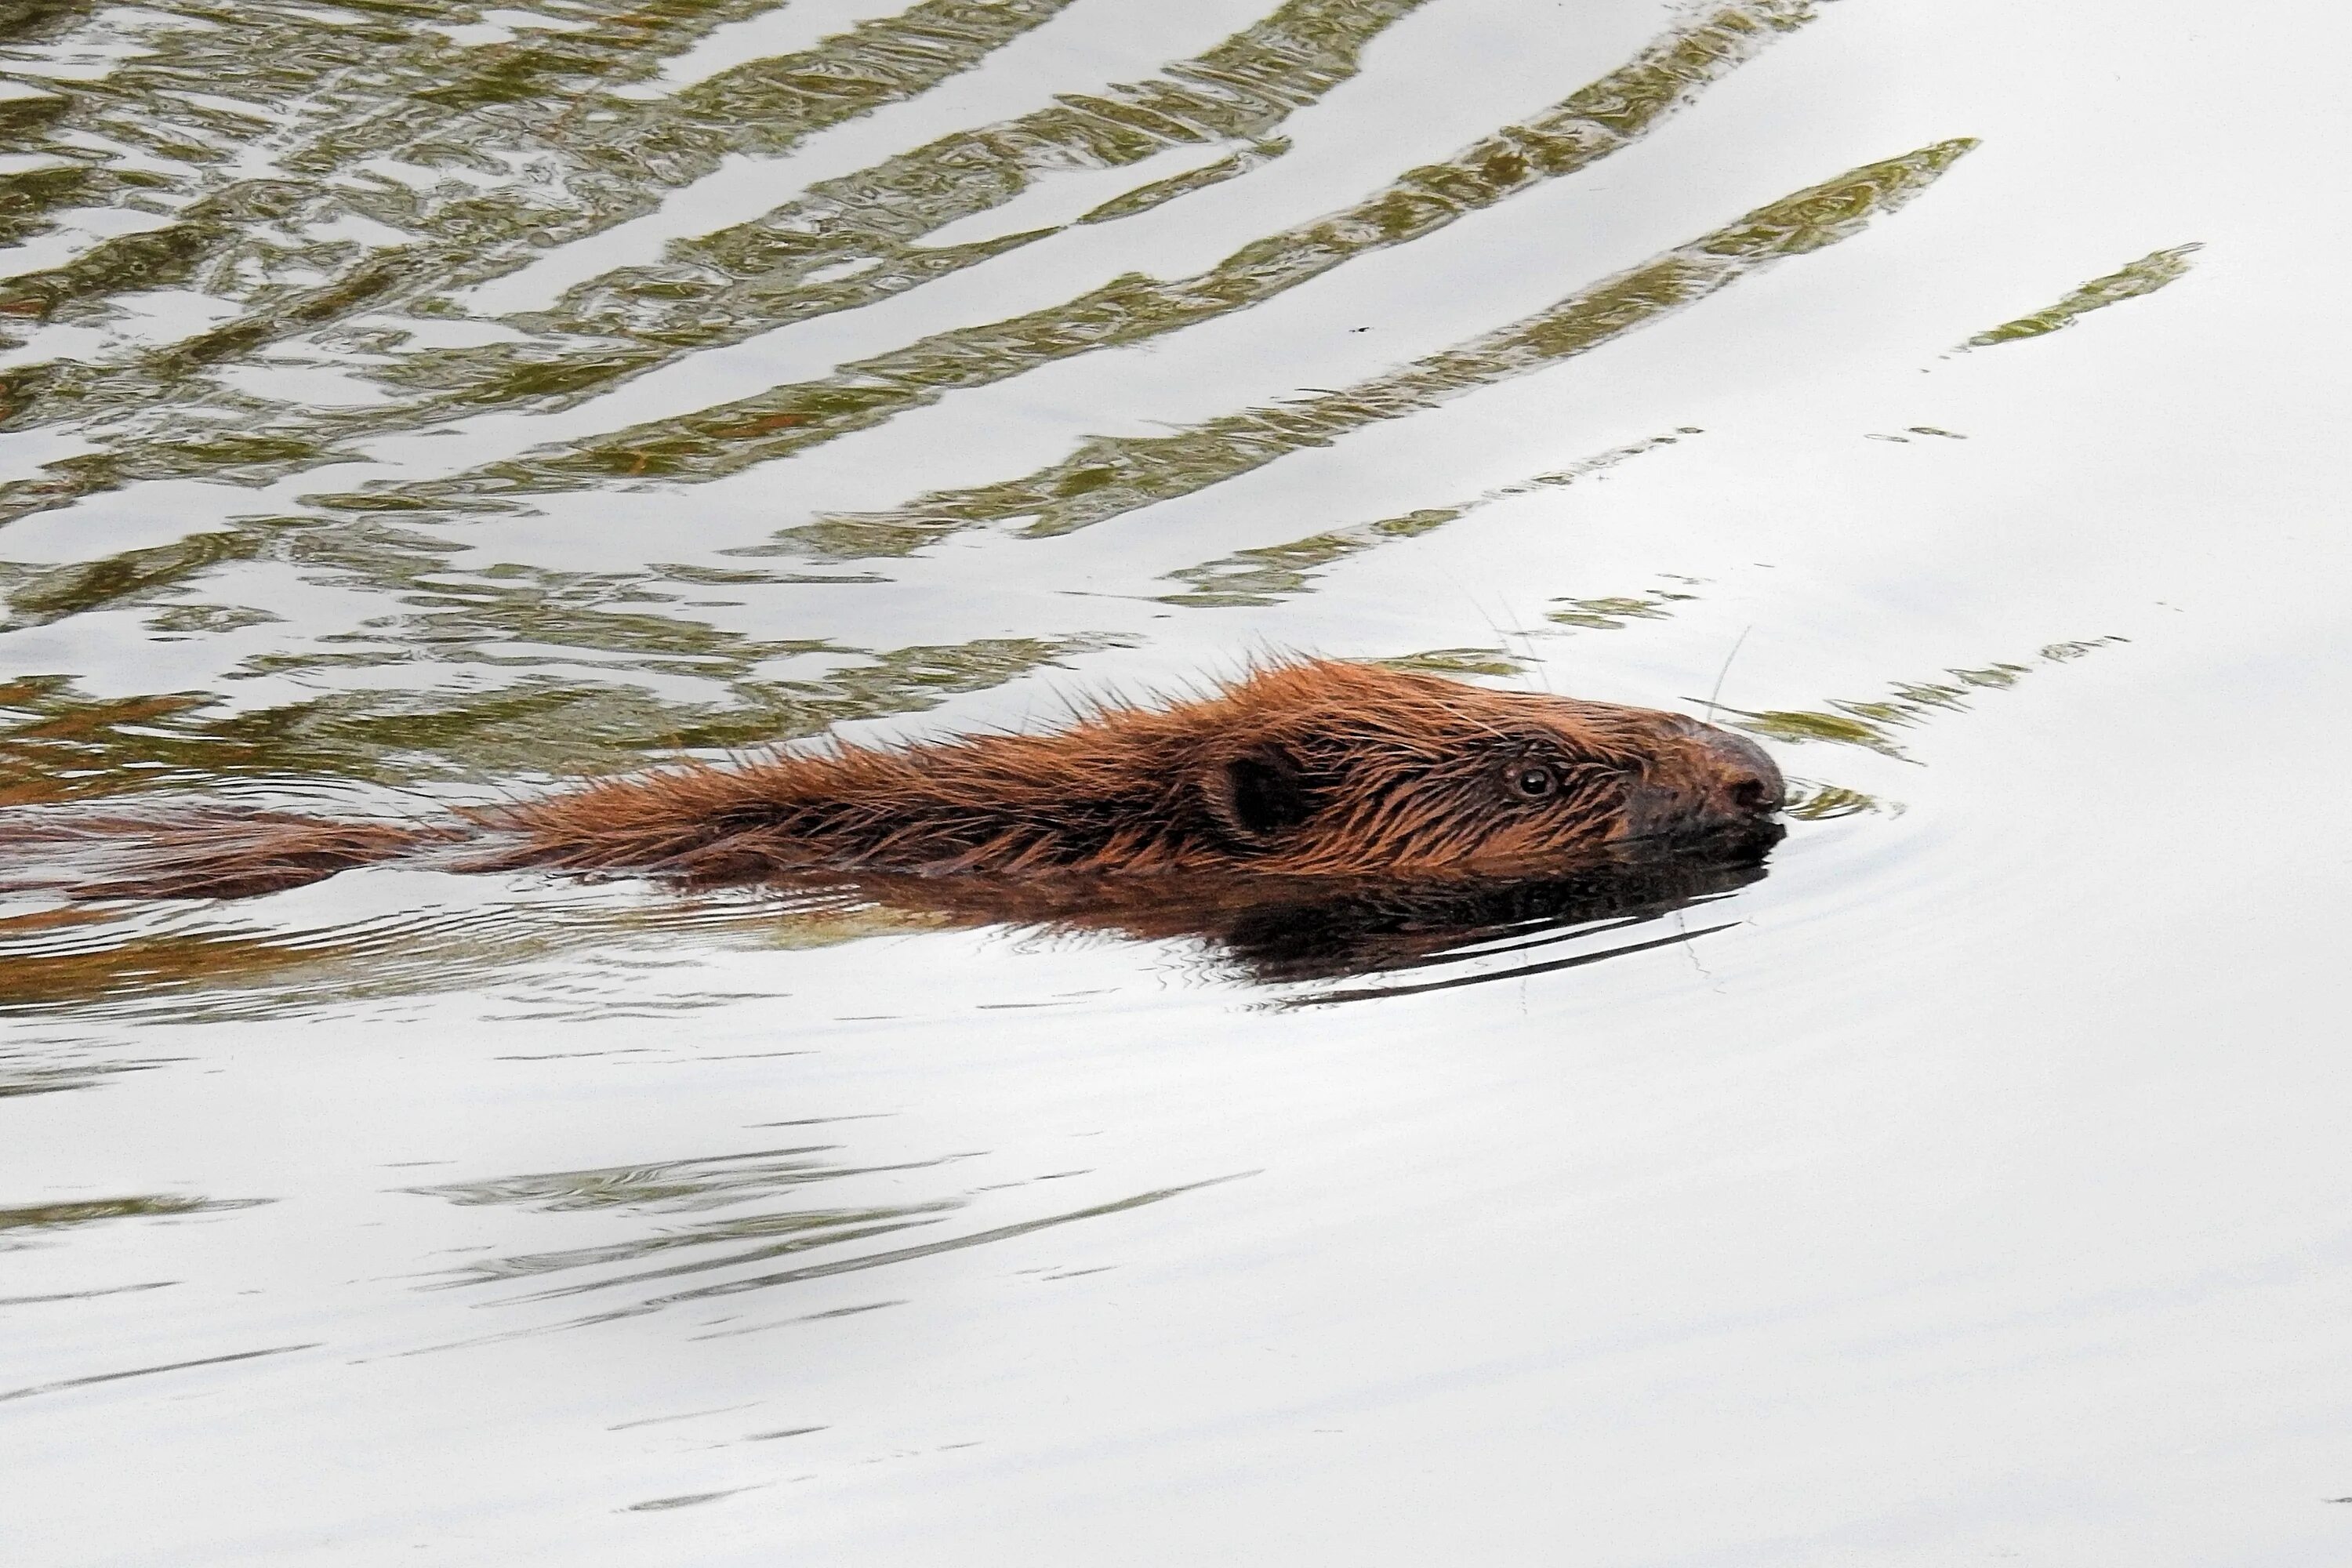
(1327, 768)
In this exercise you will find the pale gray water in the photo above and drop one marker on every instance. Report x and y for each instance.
(414, 402)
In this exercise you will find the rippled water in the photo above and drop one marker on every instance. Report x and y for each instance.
(409, 403)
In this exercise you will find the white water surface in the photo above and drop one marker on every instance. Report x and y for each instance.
(1978, 1193)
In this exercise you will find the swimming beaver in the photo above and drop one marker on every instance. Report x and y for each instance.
(1309, 769)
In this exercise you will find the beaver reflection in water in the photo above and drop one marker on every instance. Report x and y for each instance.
(1303, 777)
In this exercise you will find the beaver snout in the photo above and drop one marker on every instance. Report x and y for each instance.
(1717, 788)
(1744, 781)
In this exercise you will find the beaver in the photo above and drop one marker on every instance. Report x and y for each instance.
(1298, 771)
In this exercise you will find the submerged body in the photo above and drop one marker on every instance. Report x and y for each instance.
(1314, 769)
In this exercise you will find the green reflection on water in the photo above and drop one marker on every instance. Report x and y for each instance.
(474, 177)
(1158, 193)
(1611, 613)
(70, 590)
(94, 962)
(1810, 800)
(1108, 477)
(396, 89)
(2145, 276)
(1270, 574)
(468, 173)
(1871, 723)
(58, 746)
(1587, 126)
(1459, 662)
(855, 239)
(90, 1211)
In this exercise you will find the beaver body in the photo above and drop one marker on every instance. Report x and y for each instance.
(1314, 769)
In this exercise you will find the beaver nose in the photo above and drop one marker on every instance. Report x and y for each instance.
(1746, 782)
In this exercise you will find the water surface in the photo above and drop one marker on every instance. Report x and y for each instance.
(408, 405)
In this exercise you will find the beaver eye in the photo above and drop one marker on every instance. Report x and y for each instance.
(1531, 781)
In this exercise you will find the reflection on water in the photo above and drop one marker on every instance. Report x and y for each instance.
(181, 964)
(1523, 927)
(684, 1186)
(21, 1226)
(1871, 723)
(659, 1264)
(1279, 931)
(1271, 572)
(1810, 800)
(205, 962)
(771, 1279)
(2145, 276)
(747, 279)
(59, 746)
(1611, 614)
(371, 143)
(1108, 478)
(1589, 124)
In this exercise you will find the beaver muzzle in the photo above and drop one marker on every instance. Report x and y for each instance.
(1746, 782)
(1724, 794)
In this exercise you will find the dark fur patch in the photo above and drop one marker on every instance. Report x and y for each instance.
(1257, 795)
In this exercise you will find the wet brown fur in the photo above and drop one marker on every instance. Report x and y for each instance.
(1310, 769)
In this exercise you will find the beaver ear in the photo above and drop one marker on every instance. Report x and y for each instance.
(1256, 794)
